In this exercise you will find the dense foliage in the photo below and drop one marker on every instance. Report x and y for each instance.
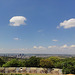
(69, 67)
(1, 62)
(13, 63)
(33, 62)
(46, 63)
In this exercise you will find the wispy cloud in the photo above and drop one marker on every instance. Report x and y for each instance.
(67, 23)
(16, 38)
(64, 46)
(63, 49)
(17, 21)
(52, 46)
(72, 46)
(55, 40)
(39, 47)
(35, 47)
(40, 30)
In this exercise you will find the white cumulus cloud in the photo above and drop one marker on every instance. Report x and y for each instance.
(16, 39)
(17, 21)
(67, 23)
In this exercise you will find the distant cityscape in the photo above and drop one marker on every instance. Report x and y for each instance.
(23, 56)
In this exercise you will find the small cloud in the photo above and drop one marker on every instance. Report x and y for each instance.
(51, 46)
(35, 47)
(22, 49)
(55, 40)
(17, 21)
(67, 23)
(16, 39)
(41, 47)
(40, 30)
(58, 27)
(64, 46)
(72, 46)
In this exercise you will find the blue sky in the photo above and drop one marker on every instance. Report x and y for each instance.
(37, 26)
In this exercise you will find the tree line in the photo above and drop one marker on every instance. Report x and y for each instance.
(66, 64)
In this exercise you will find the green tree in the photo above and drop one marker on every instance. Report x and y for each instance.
(69, 67)
(54, 59)
(59, 65)
(1, 62)
(46, 63)
(33, 62)
(13, 63)
(21, 63)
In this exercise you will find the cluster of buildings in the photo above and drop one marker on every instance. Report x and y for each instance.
(23, 56)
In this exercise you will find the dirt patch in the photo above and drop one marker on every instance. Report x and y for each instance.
(70, 74)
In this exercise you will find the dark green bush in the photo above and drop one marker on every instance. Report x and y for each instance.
(27, 74)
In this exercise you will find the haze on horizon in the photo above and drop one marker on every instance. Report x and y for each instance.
(37, 26)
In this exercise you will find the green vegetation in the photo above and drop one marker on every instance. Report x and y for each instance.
(14, 63)
(33, 62)
(66, 64)
(46, 63)
(69, 67)
(1, 62)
